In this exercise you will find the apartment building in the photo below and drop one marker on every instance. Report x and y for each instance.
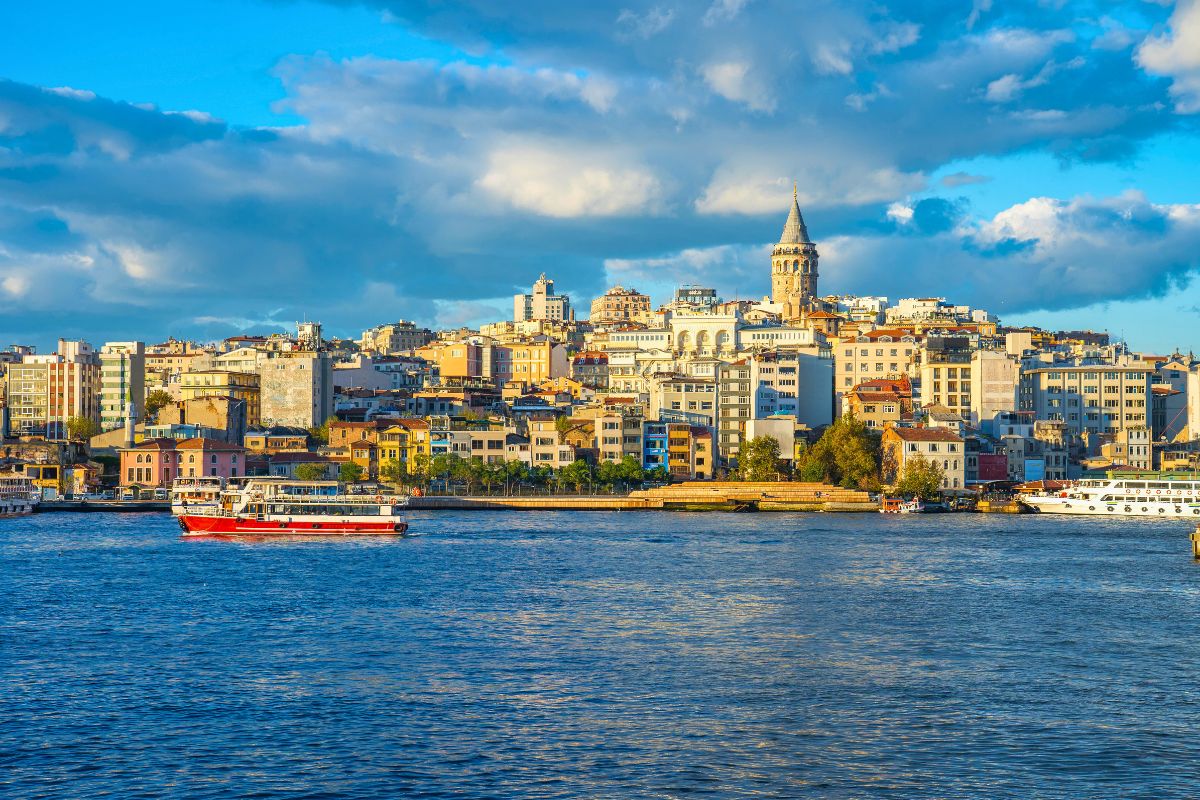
(122, 383)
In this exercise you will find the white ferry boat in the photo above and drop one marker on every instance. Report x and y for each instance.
(190, 494)
(18, 496)
(286, 507)
(1147, 496)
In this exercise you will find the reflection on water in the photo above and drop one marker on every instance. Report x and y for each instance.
(601, 655)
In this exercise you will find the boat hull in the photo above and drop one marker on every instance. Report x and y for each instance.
(201, 525)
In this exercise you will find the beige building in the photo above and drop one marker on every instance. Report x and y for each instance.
(394, 338)
(44, 392)
(1090, 398)
(542, 304)
(890, 354)
(122, 382)
(296, 388)
(620, 306)
(238, 386)
(939, 445)
(529, 363)
(683, 398)
(994, 379)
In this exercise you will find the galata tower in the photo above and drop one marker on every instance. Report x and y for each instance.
(794, 264)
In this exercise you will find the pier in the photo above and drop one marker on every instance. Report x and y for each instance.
(686, 496)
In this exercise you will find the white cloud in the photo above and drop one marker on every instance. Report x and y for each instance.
(67, 91)
(15, 285)
(570, 182)
(722, 11)
(1176, 54)
(643, 26)
(734, 81)
(741, 189)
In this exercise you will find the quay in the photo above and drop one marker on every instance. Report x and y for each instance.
(123, 506)
(686, 496)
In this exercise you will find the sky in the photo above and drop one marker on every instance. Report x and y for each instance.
(235, 166)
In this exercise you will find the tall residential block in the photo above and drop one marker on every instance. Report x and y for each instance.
(122, 383)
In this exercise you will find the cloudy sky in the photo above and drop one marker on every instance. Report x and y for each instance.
(238, 165)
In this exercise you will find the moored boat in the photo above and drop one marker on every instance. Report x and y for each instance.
(286, 507)
(18, 496)
(896, 505)
(1157, 496)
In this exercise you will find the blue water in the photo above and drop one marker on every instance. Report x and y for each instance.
(523, 655)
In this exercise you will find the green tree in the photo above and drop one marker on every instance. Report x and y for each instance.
(758, 459)
(631, 470)
(82, 428)
(320, 433)
(576, 474)
(922, 478)
(418, 470)
(808, 468)
(392, 471)
(350, 472)
(156, 400)
(609, 473)
(848, 452)
(658, 475)
(311, 471)
(562, 424)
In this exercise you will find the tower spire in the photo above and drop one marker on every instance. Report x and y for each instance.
(794, 230)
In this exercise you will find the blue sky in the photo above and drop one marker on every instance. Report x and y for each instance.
(237, 165)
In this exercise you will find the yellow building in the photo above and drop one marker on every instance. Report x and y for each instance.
(224, 383)
(405, 442)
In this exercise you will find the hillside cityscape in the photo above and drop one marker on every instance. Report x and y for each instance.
(613, 396)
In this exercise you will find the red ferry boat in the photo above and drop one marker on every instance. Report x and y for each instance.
(286, 507)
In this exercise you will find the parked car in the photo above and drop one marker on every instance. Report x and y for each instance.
(127, 494)
(161, 494)
(108, 494)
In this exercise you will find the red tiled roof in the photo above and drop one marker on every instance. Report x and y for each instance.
(926, 434)
(208, 444)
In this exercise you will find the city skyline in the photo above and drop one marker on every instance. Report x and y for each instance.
(244, 165)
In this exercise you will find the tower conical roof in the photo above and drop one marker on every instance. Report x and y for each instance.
(794, 230)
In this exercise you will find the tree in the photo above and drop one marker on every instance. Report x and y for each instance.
(658, 475)
(82, 428)
(155, 401)
(320, 433)
(609, 473)
(392, 471)
(562, 424)
(808, 468)
(848, 452)
(576, 474)
(631, 470)
(922, 478)
(758, 459)
(350, 472)
(312, 471)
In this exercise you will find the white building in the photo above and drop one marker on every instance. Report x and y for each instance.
(543, 304)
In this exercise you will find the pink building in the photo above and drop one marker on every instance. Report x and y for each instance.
(157, 462)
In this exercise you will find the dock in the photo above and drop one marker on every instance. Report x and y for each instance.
(88, 506)
(686, 496)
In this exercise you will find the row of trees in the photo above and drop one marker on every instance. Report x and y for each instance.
(475, 474)
(847, 455)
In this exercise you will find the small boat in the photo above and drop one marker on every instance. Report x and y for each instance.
(260, 507)
(18, 496)
(897, 505)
